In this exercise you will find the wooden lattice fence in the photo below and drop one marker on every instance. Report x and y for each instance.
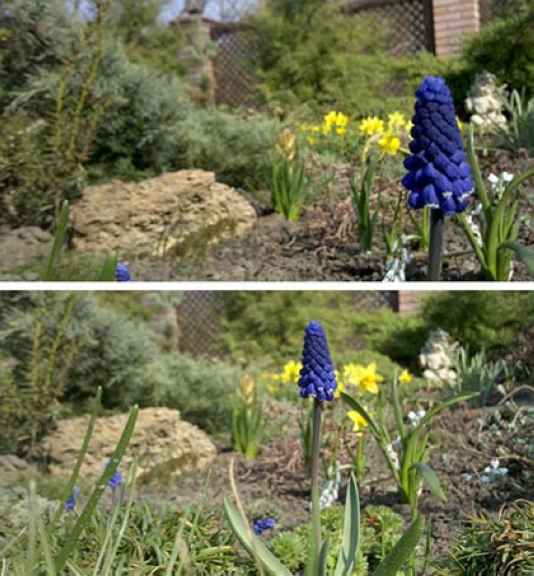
(199, 313)
(409, 21)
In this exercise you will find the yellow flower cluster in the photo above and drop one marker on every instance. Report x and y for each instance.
(388, 135)
(336, 121)
(358, 421)
(333, 123)
(290, 375)
(366, 378)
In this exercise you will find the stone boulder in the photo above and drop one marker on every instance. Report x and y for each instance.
(21, 247)
(164, 445)
(12, 468)
(174, 214)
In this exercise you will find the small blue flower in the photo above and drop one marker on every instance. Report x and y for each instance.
(438, 173)
(115, 481)
(263, 524)
(70, 502)
(122, 274)
(317, 376)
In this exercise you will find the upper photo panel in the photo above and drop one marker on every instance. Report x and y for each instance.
(266, 140)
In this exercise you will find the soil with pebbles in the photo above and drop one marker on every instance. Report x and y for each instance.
(323, 244)
(464, 442)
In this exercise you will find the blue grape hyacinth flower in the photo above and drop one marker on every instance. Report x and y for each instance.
(317, 375)
(71, 501)
(122, 274)
(260, 526)
(115, 481)
(438, 173)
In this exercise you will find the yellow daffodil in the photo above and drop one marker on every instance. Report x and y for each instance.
(371, 125)
(364, 377)
(335, 121)
(291, 372)
(358, 421)
(248, 387)
(461, 125)
(389, 144)
(396, 121)
(340, 388)
(405, 377)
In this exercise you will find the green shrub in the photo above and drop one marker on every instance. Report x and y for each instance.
(487, 321)
(398, 336)
(35, 35)
(268, 326)
(505, 48)
(109, 349)
(314, 55)
(33, 383)
(202, 390)
(237, 148)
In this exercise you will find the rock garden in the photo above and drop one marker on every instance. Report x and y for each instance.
(377, 166)
(321, 435)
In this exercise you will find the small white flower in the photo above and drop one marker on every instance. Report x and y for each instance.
(507, 176)
(493, 180)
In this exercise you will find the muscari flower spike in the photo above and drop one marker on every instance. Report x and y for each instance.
(438, 173)
(263, 524)
(122, 274)
(317, 376)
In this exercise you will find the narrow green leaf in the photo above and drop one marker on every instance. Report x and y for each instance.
(90, 507)
(355, 405)
(524, 254)
(83, 451)
(432, 480)
(402, 551)
(351, 531)
(107, 273)
(397, 410)
(323, 556)
(252, 544)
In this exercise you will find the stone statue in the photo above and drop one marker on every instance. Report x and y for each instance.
(485, 102)
(194, 7)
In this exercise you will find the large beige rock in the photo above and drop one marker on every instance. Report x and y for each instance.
(173, 214)
(164, 445)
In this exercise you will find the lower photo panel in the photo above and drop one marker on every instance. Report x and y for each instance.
(281, 433)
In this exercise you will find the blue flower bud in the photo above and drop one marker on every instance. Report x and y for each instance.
(263, 524)
(438, 173)
(317, 376)
(70, 502)
(122, 274)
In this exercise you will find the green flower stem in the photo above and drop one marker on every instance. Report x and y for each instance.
(315, 548)
(437, 222)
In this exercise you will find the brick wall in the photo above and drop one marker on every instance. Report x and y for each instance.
(453, 20)
(408, 302)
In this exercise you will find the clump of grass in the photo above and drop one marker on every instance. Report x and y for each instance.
(499, 545)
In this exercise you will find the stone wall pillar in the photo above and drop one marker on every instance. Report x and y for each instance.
(453, 20)
(196, 58)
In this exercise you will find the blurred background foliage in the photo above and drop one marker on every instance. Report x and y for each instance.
(90, 99)
(57, 348)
